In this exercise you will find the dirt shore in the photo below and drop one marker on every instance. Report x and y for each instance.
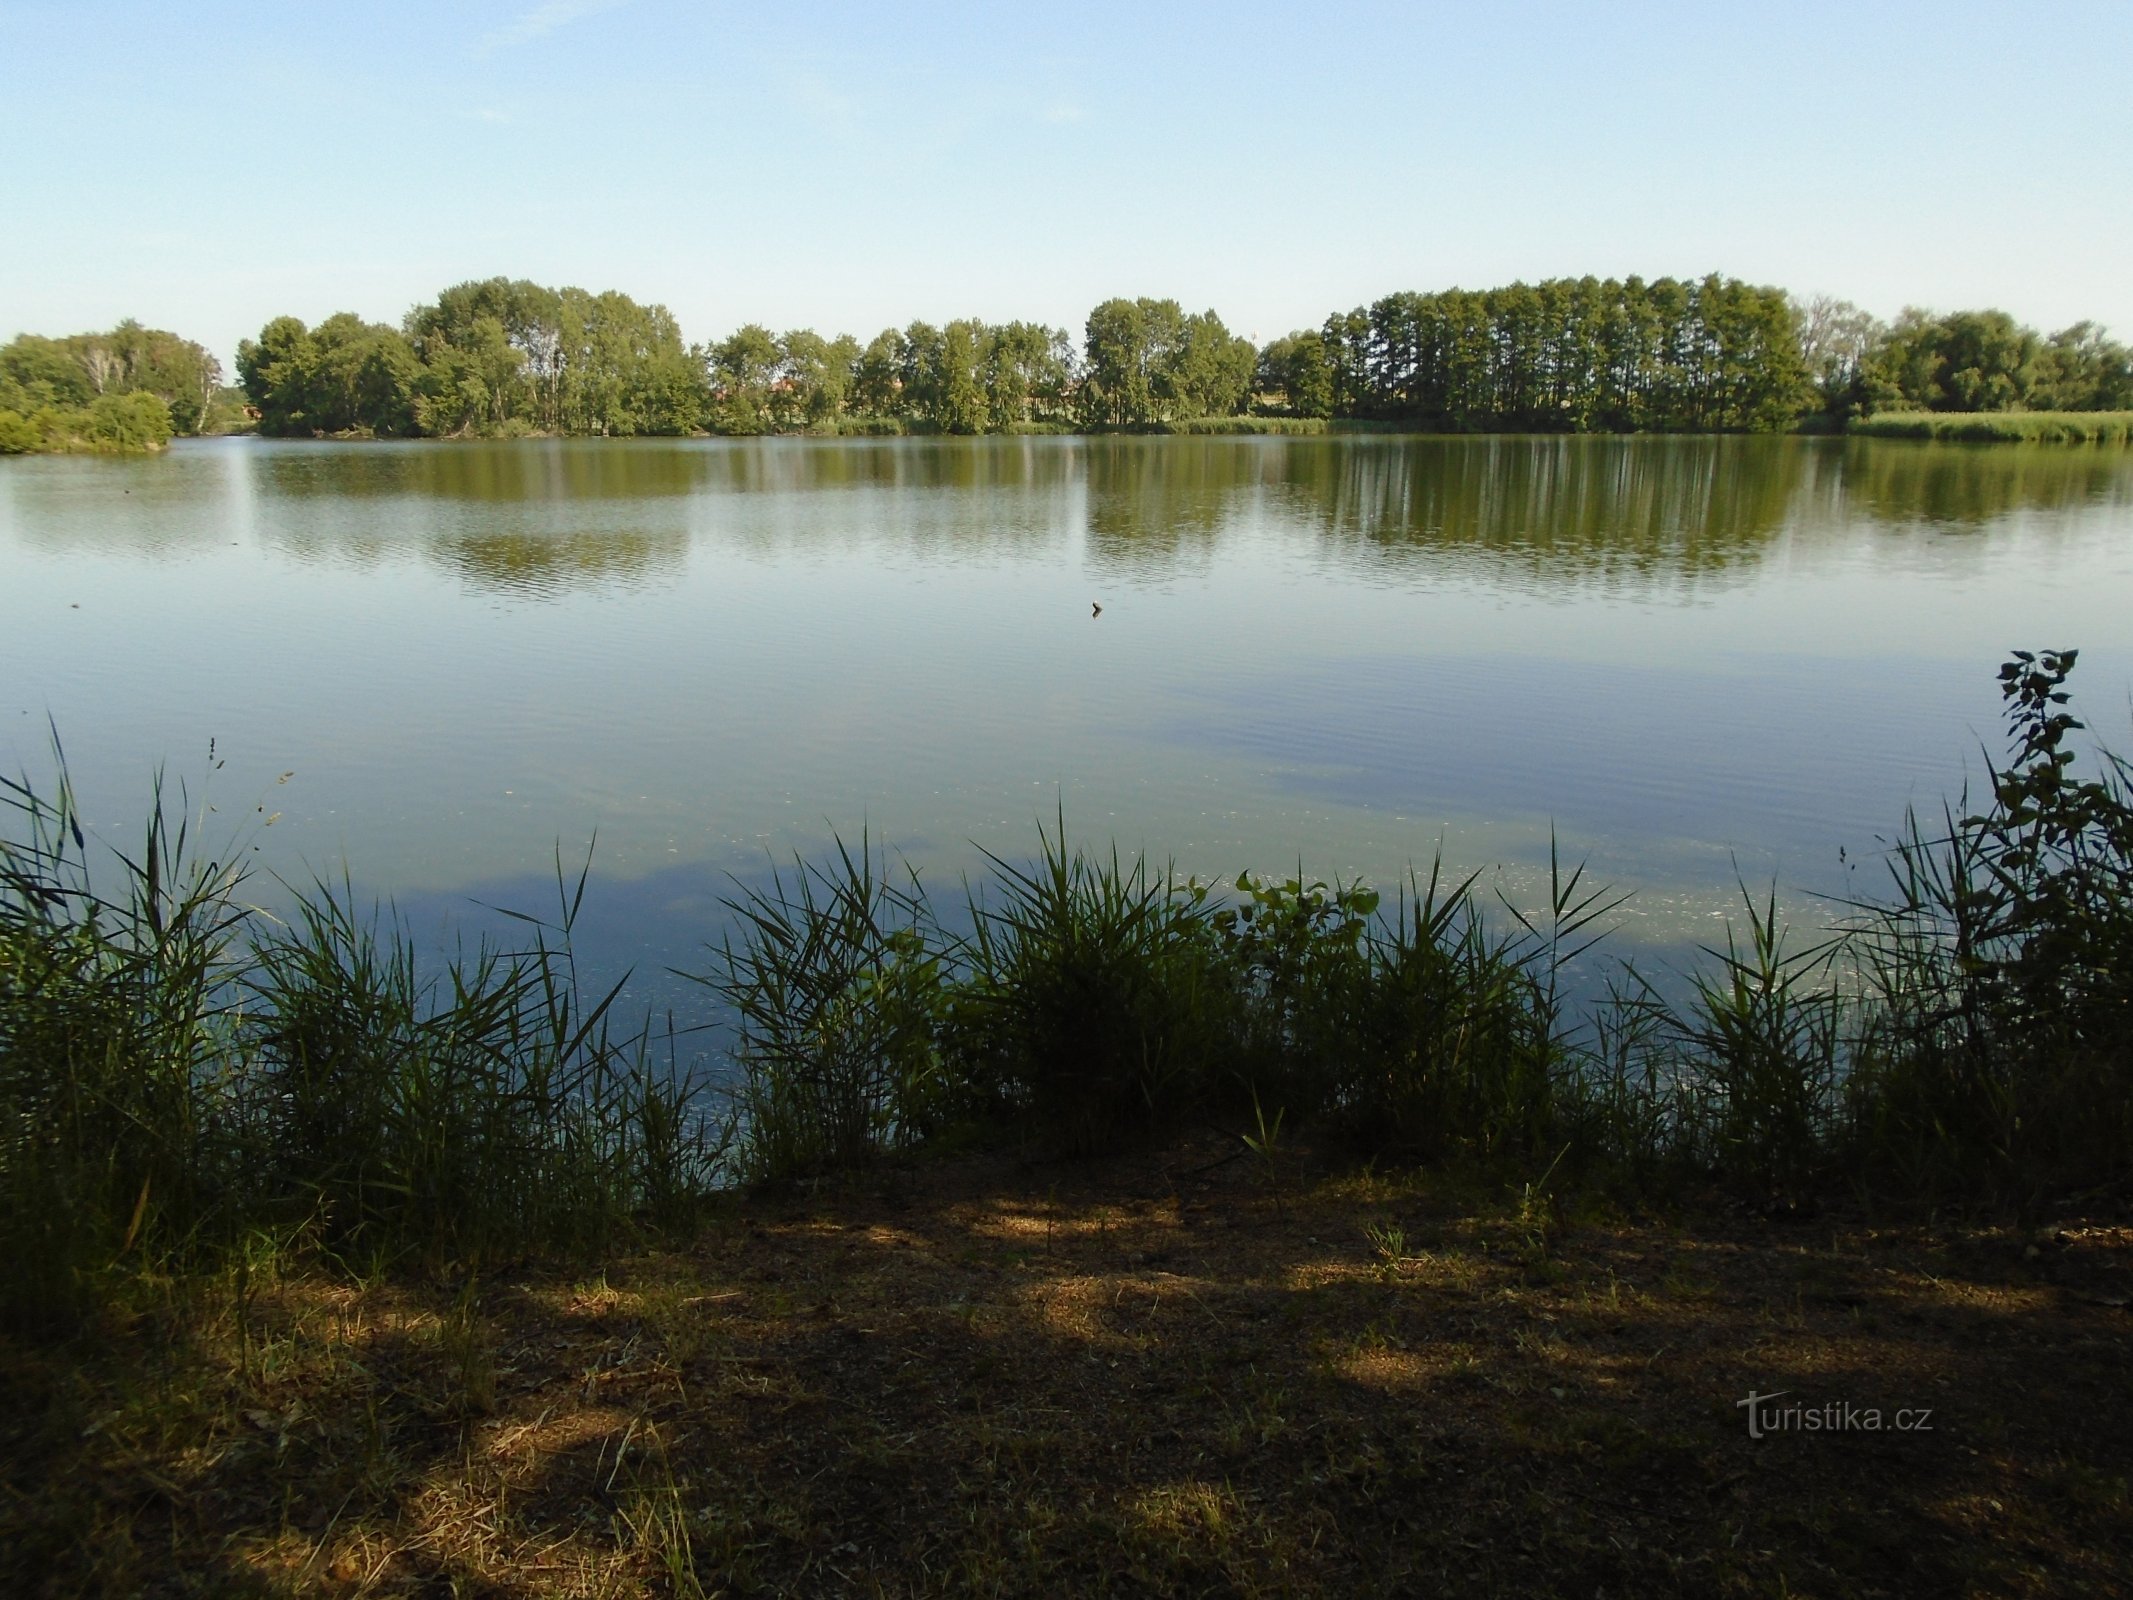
(1192, 1373)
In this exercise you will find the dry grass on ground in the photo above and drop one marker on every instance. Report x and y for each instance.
(1132, 1377)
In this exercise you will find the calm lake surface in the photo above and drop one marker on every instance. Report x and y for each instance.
(1690, 658)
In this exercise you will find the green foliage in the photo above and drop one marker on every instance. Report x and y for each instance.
(136, 421)
(505, 358)
(1303, 959)
(1984, 362)
(1027, 372)
(491, 357)
(1148, 362)
(127, 391)
(1970, 361)
(1122, 349)
(1971, 1037)
(19, 435)
(344, 377)
(1098, 1006)
(1262, 426)
(1295, 373)
(47, 372)
(2082, 370)
(1453, 1049)
(744, 368)
(1756, 1058)
(1571, 356)
(940, 387)
(877, 377)
(454, 1115)
(1837, 343)
(1999, 1052)
(114, 1058)
(1992, 427)
(500, 357)
(838, 988)
(70, 375)
(813, 378)
(175, 1078)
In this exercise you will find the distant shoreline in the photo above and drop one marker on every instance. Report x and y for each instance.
(2013, 427)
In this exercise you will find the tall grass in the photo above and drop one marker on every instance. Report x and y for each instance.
(837, 985)
(1095, 1001)
(179, 1074)
(116, 1110)
(2008, 427)
(1965, 1037)
(1245, 424)
(1998, 1057)
(1752, 1061)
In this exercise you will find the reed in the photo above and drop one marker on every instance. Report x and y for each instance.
(838, 987)
(1753, 1060)
(1997, 1058)
(178, 1076)
(1246, 424)
(118, 1114)
(1999, 427)
(1966, 1037)
(1097, 1003)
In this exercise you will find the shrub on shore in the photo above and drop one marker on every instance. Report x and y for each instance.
(177, 1084)
(133, 423)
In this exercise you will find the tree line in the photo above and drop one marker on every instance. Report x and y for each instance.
(502, 357)
(1970, 361)
(1567, 355)
(129, 389)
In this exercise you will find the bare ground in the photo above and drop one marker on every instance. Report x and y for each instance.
(1169, 1374)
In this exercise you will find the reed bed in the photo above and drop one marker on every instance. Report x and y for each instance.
(1252, 424)
(1965, 1039)
(1999, 427)
(181, 1079)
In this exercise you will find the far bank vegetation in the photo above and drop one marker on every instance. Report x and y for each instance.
(126, 391)
(503, 358)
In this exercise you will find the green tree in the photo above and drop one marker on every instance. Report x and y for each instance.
(1206, 371)
(942, 389)
(877, 377)
(276, 372)
(2080, 369)
(69, 373)
(1293, 371)
(1836, 338)
(45, 371)
(744, 368)
(1027, 373)
(1131, 352)
(344, 376)
(1967, 361)
(1345, 341)
(813, 380)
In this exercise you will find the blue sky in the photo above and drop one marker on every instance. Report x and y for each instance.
(848, 167)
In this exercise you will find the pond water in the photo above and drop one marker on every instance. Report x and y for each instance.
(1694, 661)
